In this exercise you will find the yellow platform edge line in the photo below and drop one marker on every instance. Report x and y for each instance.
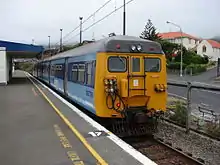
(74, 130)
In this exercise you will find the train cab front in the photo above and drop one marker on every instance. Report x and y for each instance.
(135, 83)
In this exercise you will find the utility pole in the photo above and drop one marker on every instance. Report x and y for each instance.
(61, 36)
(124, 20)
(80, 40)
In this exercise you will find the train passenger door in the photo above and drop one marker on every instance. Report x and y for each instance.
(65, 76)
(136, 76)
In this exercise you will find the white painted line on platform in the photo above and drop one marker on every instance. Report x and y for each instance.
(126, 147)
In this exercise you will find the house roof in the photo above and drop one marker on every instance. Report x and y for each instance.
(214, 44)
(171, 35)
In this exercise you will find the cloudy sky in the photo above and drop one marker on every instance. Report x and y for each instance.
(24, 20)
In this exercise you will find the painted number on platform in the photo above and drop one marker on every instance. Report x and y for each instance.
(97, 133)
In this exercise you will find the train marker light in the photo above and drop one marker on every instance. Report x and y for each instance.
(118, 46)
(118, 104)
(151, 49)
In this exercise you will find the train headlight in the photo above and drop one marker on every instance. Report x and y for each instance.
(139, 48)
(133, 47)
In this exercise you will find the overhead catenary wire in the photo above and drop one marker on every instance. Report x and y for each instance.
(85, 20)
(100, 20)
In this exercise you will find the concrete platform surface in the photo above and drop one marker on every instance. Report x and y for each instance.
(33, 133)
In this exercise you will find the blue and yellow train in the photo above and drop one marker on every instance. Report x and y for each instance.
(119, 77)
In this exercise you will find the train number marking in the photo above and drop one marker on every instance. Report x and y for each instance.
(135, 83)
(97, 133)
(89, 93)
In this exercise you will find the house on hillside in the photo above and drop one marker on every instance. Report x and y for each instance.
(189, 41)
(210, 48)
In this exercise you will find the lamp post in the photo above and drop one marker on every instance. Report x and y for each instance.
(124, 19)
(80, 39)
(181, 56)
(49, 42)
(61, 36)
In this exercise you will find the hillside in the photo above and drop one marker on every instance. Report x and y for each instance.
(217, 38)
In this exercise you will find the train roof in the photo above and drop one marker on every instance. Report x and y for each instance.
(109, 45)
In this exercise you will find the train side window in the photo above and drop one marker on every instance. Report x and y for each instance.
(89, 74)
(74, 72)
(81, 73)
(135, 64)
(152, 65)
(117, 64)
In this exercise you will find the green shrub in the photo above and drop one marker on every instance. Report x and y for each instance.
(180, 113)
(196, 68)
(212, 129)
(175, 65)
(190, 57)
(26, 66)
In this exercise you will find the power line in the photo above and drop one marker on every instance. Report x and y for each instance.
(101, 19)
(86, 19)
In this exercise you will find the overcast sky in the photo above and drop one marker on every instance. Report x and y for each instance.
(24, 20)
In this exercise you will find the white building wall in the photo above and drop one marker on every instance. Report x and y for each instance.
(3, 66)
(7, 67)
(212, 53)
(187, 42)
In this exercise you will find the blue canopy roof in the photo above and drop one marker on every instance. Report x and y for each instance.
(20, 50)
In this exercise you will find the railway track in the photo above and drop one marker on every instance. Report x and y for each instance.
(159, 152)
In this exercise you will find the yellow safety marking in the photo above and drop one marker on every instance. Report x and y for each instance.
(72, 155)
(74, 158)
(74, 130)
(35, 93)
(64, 141)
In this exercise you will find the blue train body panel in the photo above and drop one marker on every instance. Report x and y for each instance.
(79, 92)
(82, 95)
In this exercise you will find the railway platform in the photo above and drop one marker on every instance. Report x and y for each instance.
(38, 127)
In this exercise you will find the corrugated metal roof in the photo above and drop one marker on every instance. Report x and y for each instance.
(18, 50)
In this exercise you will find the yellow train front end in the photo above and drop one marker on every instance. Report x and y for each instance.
(131, 84)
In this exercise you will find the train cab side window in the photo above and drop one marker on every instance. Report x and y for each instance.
(152, 65)
(117, 64)
(81, 73)
(74, 72)
(89, 74)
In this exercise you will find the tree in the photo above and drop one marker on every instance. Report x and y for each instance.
(150, 32)
(169, 49)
